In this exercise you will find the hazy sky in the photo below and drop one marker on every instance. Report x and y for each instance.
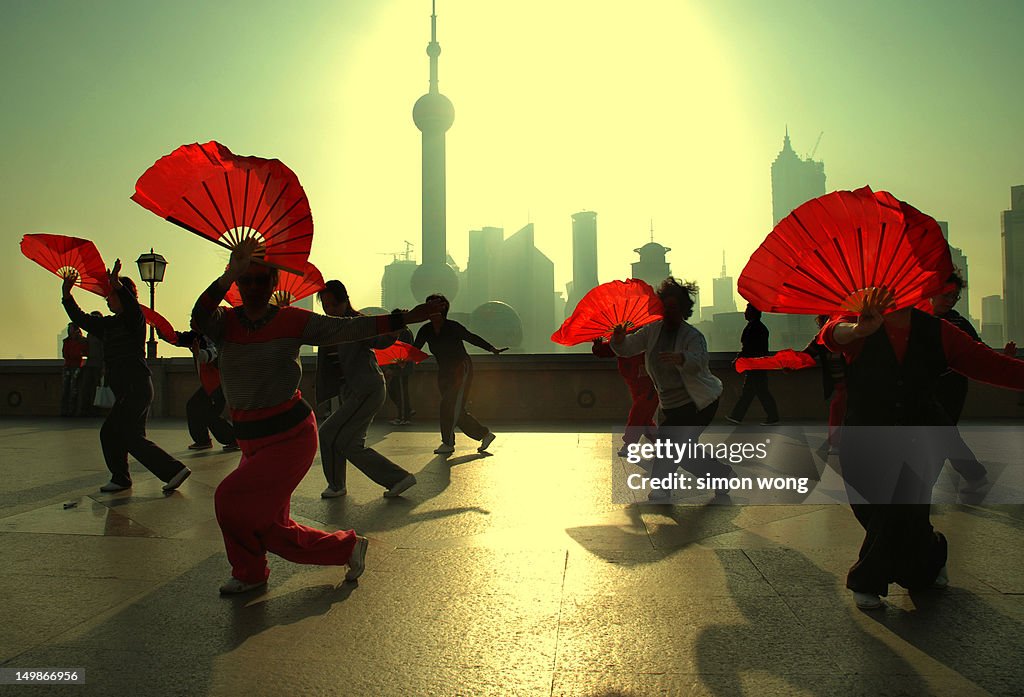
(666, 110)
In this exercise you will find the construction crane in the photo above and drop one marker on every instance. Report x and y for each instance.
(816, 144)
(406, 255)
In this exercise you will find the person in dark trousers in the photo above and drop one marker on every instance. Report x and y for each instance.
(350, 371)
(92, 373)
(73, 350)
(124, 340)
(204, 409)
(397, 377)
(833, 384)
(640, 421)
(754, 344)
(445, 338)
(676, 357)
(895, 437)
(260, 369)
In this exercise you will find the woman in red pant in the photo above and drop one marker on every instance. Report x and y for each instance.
(640, 421)
(275, 428)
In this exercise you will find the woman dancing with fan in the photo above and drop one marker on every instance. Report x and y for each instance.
(350, 371)
(868, 253)
(676, 358)
(445, 338)
(128, 375)
(275, 427)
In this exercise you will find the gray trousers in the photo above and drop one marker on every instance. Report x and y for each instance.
(343, 439)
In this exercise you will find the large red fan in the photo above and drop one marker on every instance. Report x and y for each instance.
(223, 197)
(631, 304)
(62, 255)
(290, 287)
(787, 359)
(833, 252)
(400, 352)
(160, 323)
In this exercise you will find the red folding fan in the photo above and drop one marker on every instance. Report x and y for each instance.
(400, 352)
(290, 287)
(832, 252)
(631, 304)
(62, 255)
(787, 359)
(160, 323)
(223, 197)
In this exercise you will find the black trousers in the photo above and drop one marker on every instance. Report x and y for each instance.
(124, 433)
(755, 384)
(398, 392)
(952, 394)
(682, 424)
(69, 391)
(454, 383)
(204, 417)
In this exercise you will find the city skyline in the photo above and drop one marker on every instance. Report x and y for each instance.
(97, 95)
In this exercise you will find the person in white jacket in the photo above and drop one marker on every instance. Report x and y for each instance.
(676, 358)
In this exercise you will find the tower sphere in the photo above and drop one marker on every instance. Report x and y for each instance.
(434, 278)
(433, 112)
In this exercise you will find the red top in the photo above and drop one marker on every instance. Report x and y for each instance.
(74, 351)
(631, 368)
(963, 354)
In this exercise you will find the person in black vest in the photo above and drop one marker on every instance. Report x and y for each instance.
(951, 390)
(124, 340)
(889, 472)
(445, 338)
(754, 344)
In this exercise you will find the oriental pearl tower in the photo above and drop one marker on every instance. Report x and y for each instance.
(433, 115)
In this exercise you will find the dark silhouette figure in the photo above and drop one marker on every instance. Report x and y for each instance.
(92, 373)
(204, 409)
(73, 350)
(754, 344)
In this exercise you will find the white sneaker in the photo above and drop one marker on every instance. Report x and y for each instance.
(330, 493)
(867, 601)
(405, 422)
(177, 479)
(401, 486)
(357, 563)
(114, 486)
(444, 449)
(233, 586)
(488, 439)
(733, 421)
(395, 422)
(942, 579)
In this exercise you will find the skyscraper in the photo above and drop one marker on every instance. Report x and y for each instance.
(963, 306)
(723, 292)
(794, 180)
(584, 255)
(992, 321)
(482, 266)
(396, 284)
(526, 282)
(433, 115)
(1013, 265)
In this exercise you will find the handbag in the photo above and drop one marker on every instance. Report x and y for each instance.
(104, 398)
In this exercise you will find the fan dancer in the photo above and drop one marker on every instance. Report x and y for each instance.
(73, 349)
(754, 344)
(676, 358)
(951, 389)
(640, 421)
(275, 427)
(397, 378)
(891, 381)
(833, 384)
(445, 339)
(350, 371)
(204, 409)
(128, 375)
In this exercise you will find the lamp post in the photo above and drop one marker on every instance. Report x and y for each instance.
(151, 270)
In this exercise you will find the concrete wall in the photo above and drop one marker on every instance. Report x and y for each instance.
(529, 388)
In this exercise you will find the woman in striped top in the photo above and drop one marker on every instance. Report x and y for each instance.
(275, 428)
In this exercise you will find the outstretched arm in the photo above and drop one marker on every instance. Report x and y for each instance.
(977, 361)
(81, 319)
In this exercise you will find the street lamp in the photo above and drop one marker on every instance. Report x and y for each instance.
(151, 270)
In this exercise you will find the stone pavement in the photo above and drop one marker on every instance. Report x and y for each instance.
(509, 574)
